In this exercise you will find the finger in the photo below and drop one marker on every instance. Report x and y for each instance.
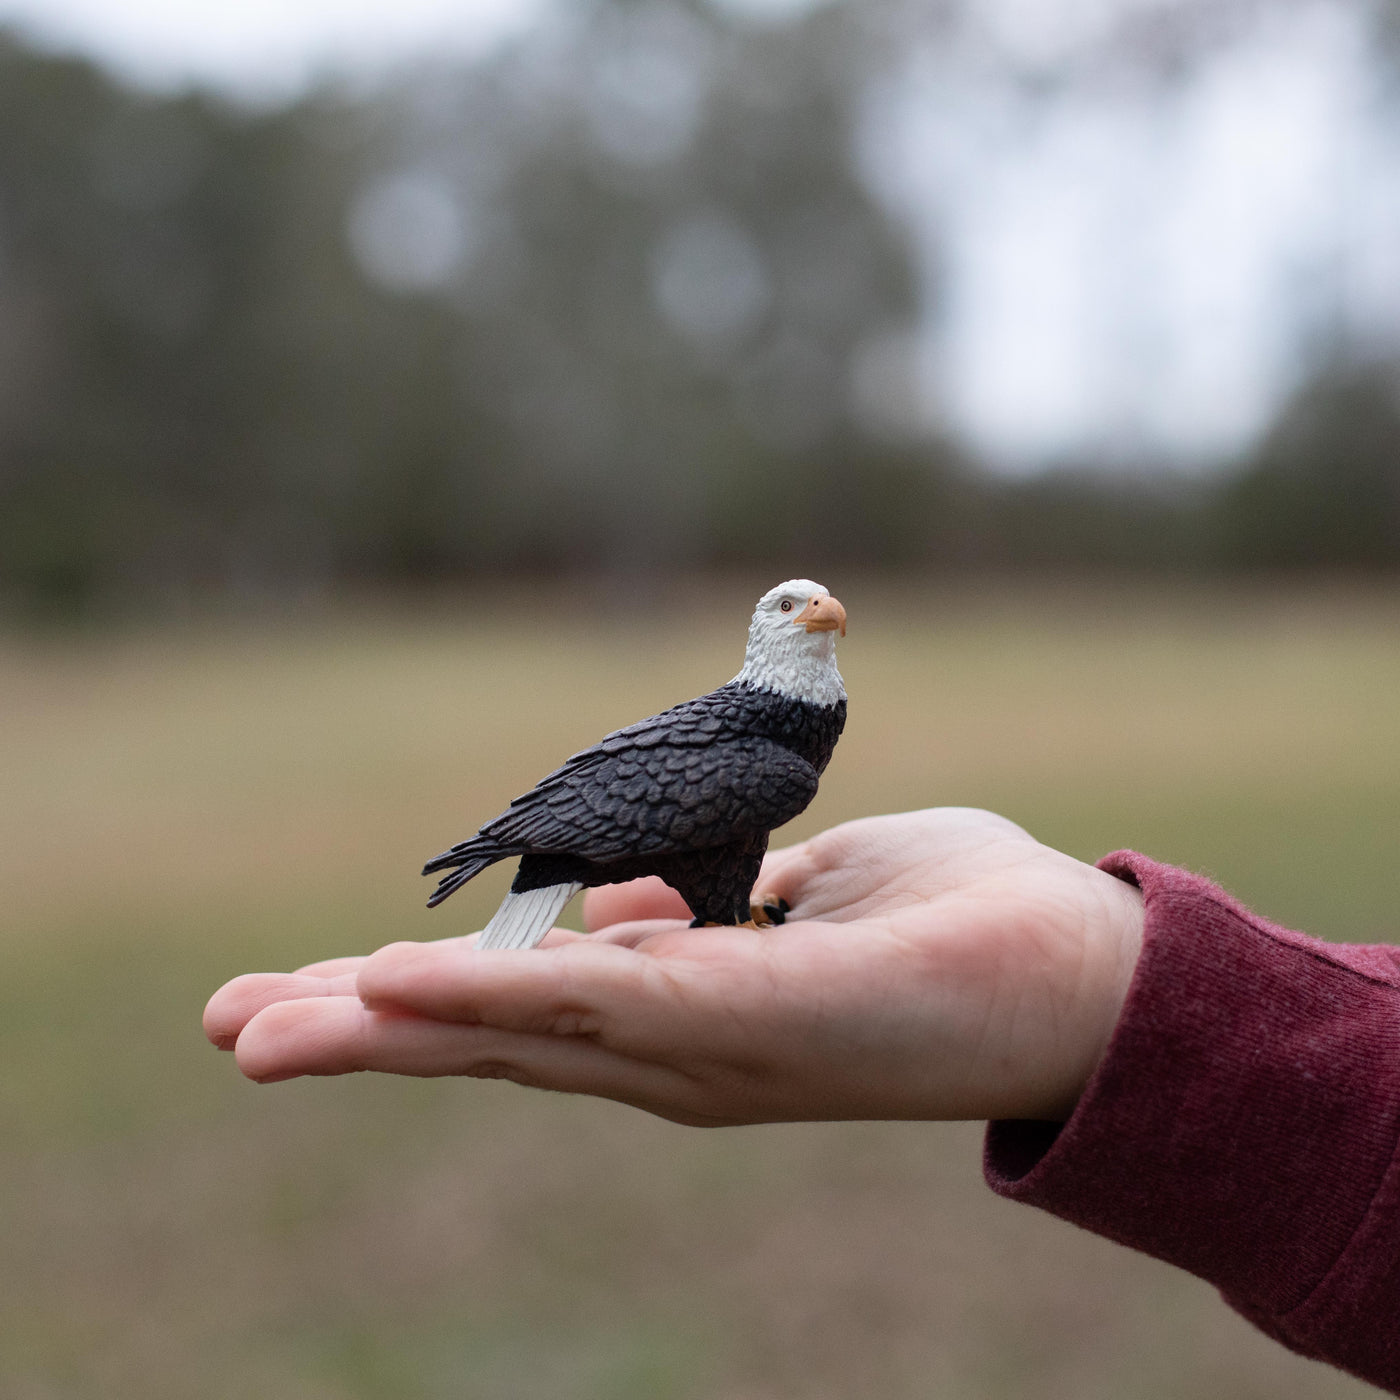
(783, 874)
(651, 898)
(335, 967)
(338, 967)
(582, 988)
(559, 937)
(330, 967)
(640, 933)
(339, 1035)
(235, 1003)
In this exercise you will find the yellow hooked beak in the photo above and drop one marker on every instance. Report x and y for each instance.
(823, 614)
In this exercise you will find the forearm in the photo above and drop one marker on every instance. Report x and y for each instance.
(1243, 1123)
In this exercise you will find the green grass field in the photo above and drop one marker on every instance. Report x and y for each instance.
(177, 806)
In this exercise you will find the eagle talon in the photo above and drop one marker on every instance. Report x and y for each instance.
(769, 910)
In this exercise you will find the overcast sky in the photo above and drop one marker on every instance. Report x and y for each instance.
(1129, 274)
(263, 48)
(1147, 269)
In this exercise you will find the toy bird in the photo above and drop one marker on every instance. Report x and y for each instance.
(690, 794)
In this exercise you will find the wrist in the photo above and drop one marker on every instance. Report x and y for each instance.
(1114, 918)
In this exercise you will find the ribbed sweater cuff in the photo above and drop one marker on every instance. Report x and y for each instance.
(1243, 1123)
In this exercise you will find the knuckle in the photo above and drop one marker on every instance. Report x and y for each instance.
(575, 1021)
(499, 1069)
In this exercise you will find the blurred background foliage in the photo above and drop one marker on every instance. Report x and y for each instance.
(615, 298)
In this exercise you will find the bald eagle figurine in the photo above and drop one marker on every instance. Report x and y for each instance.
(690, 794)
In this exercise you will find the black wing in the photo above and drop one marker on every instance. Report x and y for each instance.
(678, 781)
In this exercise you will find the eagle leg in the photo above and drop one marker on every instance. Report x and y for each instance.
(756, 924)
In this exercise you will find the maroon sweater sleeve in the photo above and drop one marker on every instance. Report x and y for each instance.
(1243, 1123)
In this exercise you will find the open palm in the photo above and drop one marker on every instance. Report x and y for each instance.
(937, 964)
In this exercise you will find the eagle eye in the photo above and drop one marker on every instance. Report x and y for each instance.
(787, 605)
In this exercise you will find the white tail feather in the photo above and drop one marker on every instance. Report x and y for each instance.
(524, 919)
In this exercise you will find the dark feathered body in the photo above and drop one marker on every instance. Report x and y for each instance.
(690, 795)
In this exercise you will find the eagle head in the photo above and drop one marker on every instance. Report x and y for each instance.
(792, 643)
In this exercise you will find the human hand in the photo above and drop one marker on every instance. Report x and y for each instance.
(938, 964)
(941, 965)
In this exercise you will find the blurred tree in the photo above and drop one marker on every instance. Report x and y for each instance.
(581, 307)
(617, 299)
(1324, 487)
(673, 275)
(1146, 520)
(182, 333)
